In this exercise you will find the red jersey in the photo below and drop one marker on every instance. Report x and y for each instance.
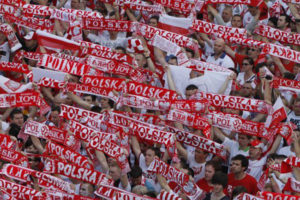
(248, 182)
(203, 184)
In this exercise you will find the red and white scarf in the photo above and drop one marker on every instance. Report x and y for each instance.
(20, 192)
(292, 1)
(246, 196)
(190, 119)
(282, 52)
(112, 150)
(104, 82)
(246, 2)
(31, 9)
(179, 5)
(49, 132)
(210, 28)
(10, 155)
(286, 84)
(202, 66)
(274, 196)
(234, 102)
(108, 24)
(7, 9)
(242, 41)
(156, 8)
(67, 66)
(13, 41)
(19, 99)
(199, 142)
(44, 180)
(163, 195)
(76, 114)
(51, 83)
(277, 35)
(67, 154)
(79, 173)
(15, 67)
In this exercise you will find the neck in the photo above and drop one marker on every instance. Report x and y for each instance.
(218, 194)
(218, 55)
(248, 73)
(240, 176)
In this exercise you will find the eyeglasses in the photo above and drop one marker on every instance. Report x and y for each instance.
(245, 64)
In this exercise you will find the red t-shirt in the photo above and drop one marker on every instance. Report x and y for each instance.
(203, 184)
(248, 182)
(288, 66)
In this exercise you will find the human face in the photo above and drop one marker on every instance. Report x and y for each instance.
(281, 23)
(227, 14)
(88, 99)
(200, 156)
(243, 140)
(55, 117)
(246, 66)
(153, 22)
(140, 59)
(137, 181)
(236, 166)
(173, 61)
(254, 153)
(209, 172)
(252, 10)
(84, 190)
(217, 188)
(2, 38)
(115, 173)
(296, 108)
(189, 93)
(236, 22)
(104, 103)
(219, 46)
(18, 119)
(150, 154)
(253, 53)
(246, 90)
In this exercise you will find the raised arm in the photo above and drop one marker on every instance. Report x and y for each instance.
(135, 146)
(79, 101)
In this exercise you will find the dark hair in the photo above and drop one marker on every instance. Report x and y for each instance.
(238, 190)
(243, 159)
(220, 178)
(234, 70)
(14, 130)
(250, 60)
(154, 17)
(90, 95)
(273, 20)
(216, 165)
(111, 103)
(237, 15)
(190, 51)
(156, 151)
(14, 112)
(287, 18)
(55, 108)
(289, 75)
(191, 87)
(121, 48)
(96, 109)
(136, 172)
(260, 65)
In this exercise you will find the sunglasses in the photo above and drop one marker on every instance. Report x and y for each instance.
(245, 64)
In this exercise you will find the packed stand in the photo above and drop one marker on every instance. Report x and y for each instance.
(152, 99)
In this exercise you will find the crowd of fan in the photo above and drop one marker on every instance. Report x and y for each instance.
(247, 156)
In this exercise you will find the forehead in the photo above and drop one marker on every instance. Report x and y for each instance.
(237, 162)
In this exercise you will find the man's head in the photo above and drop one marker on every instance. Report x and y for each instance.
(283, 22)
(153, 21)
(87, 190)
(239, 164)
(150, 155)
(106, 103)
(136, 176)
(200, 155)
(114, 171)
(17, 117)
(247, 89)
(172, 60)
(54, 116)
(190, 90)
(89, 98)
(296, 106)
(210, 168)
(219, 46)
(247, 64)
(253, 10)
(253, 53)
(227, 14)
(237, 21)
(243, 140)
(78, 4)
(256, 149)
(219, 181)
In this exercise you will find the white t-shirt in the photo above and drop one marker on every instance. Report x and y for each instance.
(151, 178)
(5, 52)
(233, 148)
(104, 40)
(286, 151)
(241, 78)
(294, 118)
(255, 167)
(224, 60)
(198, 168)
